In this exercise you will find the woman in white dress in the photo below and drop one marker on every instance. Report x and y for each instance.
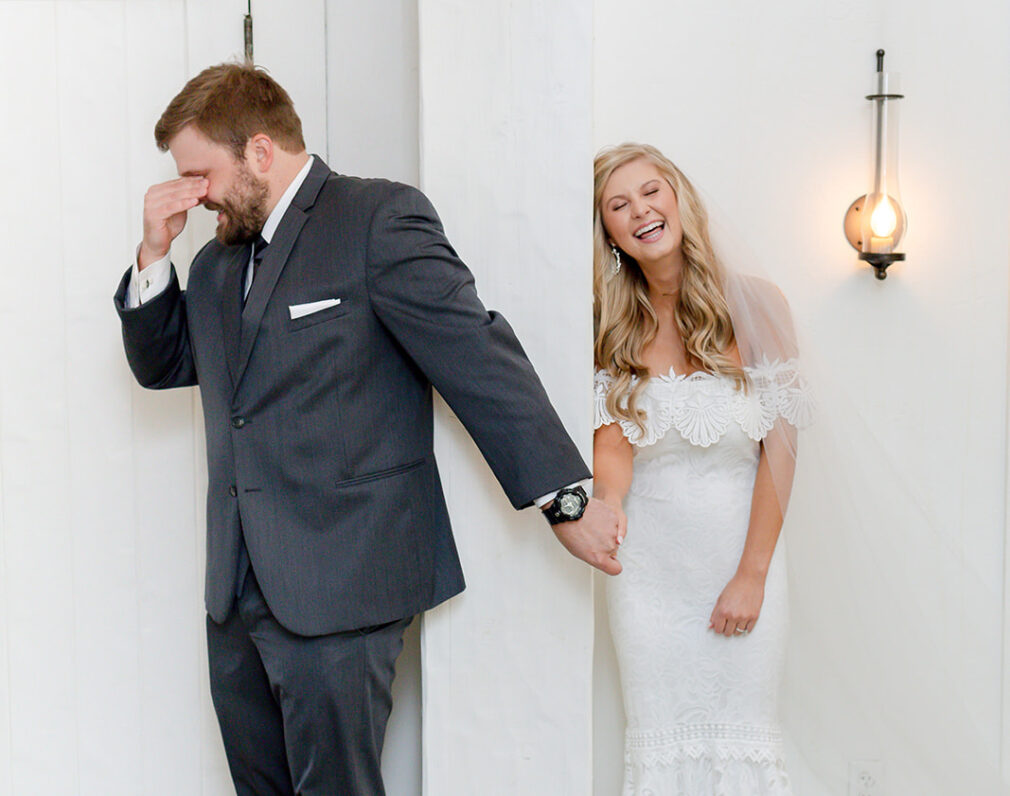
(697, 399)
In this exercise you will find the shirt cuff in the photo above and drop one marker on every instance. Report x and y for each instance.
(149, 283)
(543, 500)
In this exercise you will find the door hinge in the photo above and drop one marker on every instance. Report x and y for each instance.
(248, 28)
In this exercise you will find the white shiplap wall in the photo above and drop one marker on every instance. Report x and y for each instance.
(103, 631)
(103, 686)
(505, 150)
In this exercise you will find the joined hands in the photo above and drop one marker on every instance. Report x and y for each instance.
(596, 536)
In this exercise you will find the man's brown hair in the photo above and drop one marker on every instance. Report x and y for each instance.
(230, 103)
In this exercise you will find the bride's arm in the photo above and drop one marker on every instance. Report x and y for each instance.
(612, 470)
(740, 602)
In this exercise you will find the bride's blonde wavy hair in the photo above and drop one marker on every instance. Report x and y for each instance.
(624, 319)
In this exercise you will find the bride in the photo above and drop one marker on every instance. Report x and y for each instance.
(698, 396)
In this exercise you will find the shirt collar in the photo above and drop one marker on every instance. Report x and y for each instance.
(274, 219)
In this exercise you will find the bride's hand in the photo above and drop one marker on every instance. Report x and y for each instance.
(616, 506)
(622, 520)
(737, 609)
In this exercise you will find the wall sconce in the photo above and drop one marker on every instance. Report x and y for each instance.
(876, 222)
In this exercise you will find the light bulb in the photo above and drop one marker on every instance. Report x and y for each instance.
(884, 220)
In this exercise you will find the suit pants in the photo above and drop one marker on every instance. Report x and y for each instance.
(301, 715)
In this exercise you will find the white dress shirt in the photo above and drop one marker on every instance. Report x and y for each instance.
(152, 281)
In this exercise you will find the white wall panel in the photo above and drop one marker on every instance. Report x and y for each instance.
(372, 124)
(372, 82)
(214, 33)
(39, 539)
(7, 133)
(290, 40)
(103, 666)
(505, 152)
(173, 41)
(91, 47)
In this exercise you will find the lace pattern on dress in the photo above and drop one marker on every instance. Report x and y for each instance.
(718, 759)
(701, 406)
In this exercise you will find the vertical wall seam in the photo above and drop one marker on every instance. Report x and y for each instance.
(134, 507)
(185, 34)
(420, 102)
(326, 74)
(1004, 675)
(5, 585)
(194, 396)
(6, 602)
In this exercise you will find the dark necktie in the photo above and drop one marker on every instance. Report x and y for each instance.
(259, 252)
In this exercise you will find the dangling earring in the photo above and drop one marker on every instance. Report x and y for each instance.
(616, 267)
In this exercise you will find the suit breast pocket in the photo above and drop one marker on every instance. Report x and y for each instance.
(313, 318)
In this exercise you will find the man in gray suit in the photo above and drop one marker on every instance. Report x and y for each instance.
(316, 324)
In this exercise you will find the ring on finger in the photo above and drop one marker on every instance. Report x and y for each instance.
(742, 631)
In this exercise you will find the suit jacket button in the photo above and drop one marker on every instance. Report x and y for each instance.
(233, 490)
(238, 422)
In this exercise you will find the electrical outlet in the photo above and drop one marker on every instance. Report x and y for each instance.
(866, 778)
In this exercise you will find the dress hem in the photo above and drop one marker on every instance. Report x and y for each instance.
(705, 760)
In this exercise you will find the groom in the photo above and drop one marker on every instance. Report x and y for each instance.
(316, 324)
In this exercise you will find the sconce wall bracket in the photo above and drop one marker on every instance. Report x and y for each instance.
(881, 261)
(853, 233)
(875, 223)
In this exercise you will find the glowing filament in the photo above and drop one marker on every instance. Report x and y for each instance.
(884, 220)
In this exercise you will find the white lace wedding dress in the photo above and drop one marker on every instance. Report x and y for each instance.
(701, 708)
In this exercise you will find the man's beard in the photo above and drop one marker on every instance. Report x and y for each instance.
(244, 208)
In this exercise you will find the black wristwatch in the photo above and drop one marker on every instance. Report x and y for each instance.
(568, 505)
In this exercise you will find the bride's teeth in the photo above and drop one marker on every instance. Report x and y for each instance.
(648, 229)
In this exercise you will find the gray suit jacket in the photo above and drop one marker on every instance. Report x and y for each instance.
(319, 429)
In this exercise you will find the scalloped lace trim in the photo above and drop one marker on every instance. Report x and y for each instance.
(703, 759)
(701, 406)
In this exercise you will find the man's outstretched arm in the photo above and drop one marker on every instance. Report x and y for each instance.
(425, 296)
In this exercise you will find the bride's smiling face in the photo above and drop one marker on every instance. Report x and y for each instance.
(639, 212)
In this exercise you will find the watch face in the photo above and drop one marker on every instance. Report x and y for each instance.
(569, 504)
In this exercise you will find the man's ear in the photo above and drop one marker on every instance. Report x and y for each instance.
(259, 153)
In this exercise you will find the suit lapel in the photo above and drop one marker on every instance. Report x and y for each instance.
(231, 307)
(273, 263)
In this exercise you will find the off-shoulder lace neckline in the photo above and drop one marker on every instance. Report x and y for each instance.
(671, 374)
(700, 406)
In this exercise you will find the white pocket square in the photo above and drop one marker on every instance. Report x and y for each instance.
(301, 310)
